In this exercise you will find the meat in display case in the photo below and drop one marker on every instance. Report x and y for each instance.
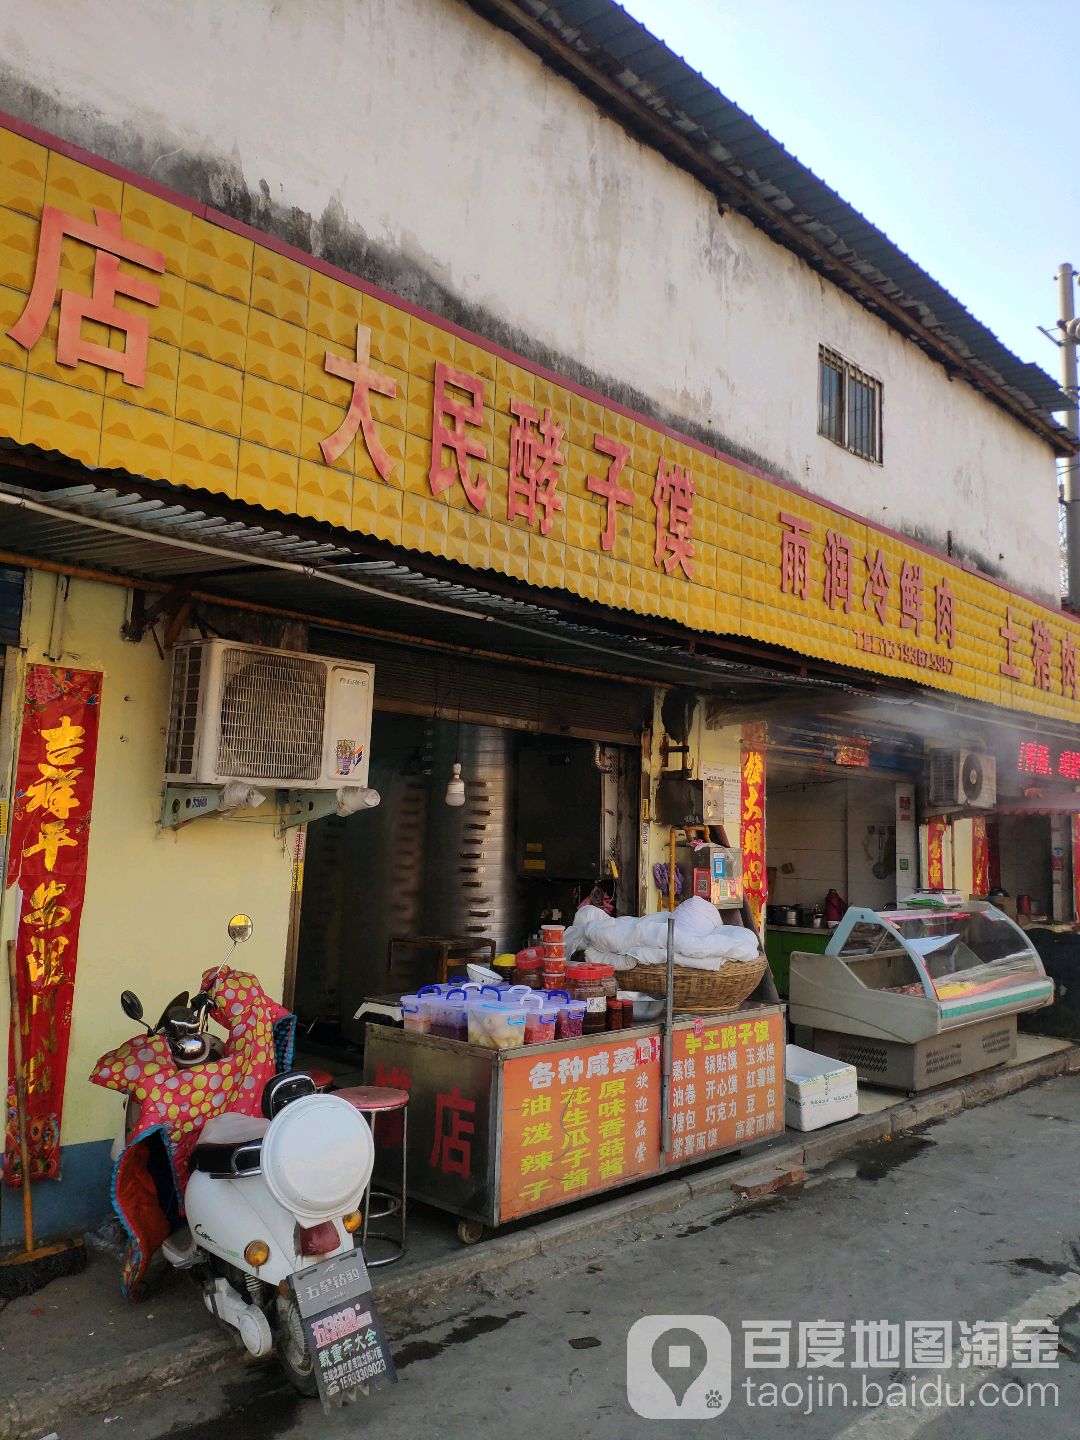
(918, 997)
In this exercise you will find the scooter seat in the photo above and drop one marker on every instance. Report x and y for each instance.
(229, 1145)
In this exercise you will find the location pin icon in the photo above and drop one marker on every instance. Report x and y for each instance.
(678, 1357)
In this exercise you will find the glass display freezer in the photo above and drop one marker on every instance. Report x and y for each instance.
(919, 996)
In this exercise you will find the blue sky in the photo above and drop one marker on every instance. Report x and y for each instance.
(952, 125)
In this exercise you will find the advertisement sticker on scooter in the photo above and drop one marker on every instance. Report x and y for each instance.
(342, 1327)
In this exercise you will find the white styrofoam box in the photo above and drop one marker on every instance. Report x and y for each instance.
(817, 1090)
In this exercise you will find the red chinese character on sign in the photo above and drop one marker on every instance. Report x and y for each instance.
(837, 570)
(878, 585)
(397, 1078)
(608, 487)
(795, 556)
(452, 1151)
(534, 456)
(943, 613)
(1068, 667)
(1011, 636)
(449, 418)
(1040, 653)
(673, 496)
(106, 236)
(1033, 758)
(911, 597)
(358, 416)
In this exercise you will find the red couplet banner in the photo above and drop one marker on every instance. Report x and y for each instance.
(50, 834)
(752, 819)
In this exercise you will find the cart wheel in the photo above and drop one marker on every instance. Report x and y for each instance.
(469, 1232)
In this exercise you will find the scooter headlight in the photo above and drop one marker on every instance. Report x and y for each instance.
(257, 1253)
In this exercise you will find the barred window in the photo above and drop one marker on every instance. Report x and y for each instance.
(849, 406)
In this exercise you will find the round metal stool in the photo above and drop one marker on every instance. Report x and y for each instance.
(373, 1101)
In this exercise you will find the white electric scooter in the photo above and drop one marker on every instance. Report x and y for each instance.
(268, 1196)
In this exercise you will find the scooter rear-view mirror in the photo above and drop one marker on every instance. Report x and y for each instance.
(131, 1005)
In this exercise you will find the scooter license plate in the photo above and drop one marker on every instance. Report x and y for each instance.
(341, 1323)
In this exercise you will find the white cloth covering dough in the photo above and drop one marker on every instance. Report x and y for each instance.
(702, 940)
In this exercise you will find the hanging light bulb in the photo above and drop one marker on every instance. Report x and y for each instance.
(455, 790)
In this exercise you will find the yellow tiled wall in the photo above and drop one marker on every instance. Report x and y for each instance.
(237, 399)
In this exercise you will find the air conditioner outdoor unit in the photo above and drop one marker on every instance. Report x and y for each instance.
(966, 778)
(273, 718)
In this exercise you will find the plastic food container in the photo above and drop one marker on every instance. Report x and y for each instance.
(570, 1022)
(448, 1011)
(554, 975)
(587, 983)
(539, 1023)
(496, 1024)
(552, 934)
(415, 1014)
(529, 972)
(447, 1016)
(541, 1015)
(606, 975)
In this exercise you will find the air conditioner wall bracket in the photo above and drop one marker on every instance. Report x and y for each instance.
(183, 803)
(300, 807)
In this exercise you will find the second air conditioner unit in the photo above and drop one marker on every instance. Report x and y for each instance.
(273, 718)
(965, 778)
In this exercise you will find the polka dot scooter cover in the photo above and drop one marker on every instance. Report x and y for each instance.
(174, 1103)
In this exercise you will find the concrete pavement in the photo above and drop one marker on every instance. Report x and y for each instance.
(975, 1219)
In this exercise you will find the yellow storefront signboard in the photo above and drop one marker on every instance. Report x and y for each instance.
(143, 332)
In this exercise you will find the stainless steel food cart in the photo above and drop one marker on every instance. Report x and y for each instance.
(494, 1135)
(920, 996)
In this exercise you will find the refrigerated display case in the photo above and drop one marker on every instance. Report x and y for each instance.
(917, 997)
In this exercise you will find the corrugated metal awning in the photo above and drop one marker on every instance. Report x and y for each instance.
(169, 544)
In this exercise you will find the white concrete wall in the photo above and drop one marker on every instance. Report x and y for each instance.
(451, 148)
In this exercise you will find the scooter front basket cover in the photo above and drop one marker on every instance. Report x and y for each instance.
(317, 1157)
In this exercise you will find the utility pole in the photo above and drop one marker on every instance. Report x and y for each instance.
(1070, 336)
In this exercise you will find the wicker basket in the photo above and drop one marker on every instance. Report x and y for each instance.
(703, 992)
